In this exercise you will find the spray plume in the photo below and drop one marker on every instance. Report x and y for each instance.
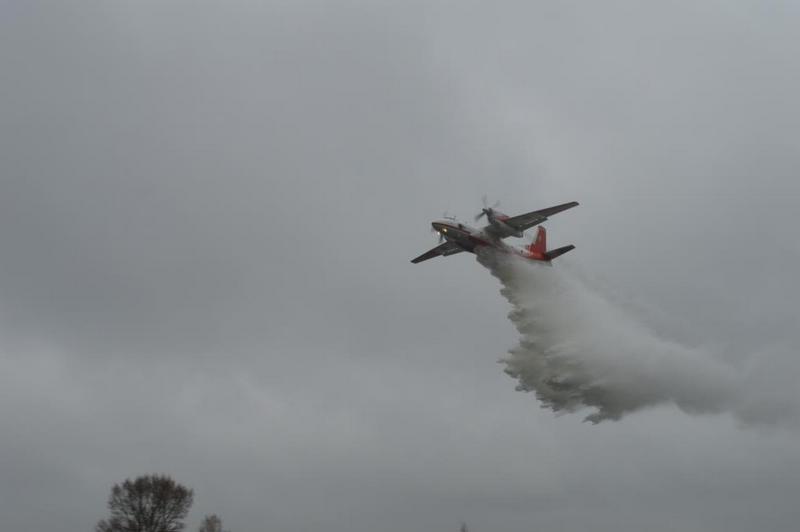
(578, 350)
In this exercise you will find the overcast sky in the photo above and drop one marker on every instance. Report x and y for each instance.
(207, 211)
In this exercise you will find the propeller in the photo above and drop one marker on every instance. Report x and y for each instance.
(487, 211)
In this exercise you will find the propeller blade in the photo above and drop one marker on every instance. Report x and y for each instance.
(487, 211)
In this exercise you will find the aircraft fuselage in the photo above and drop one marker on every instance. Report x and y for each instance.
(468, 238)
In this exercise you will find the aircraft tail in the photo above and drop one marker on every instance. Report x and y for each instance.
(538, 248)
(550, 255)
(539, 244)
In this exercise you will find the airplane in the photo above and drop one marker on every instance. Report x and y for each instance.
(457, 237)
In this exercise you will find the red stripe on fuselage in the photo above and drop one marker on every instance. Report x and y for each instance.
(479, 241)
(456, 233)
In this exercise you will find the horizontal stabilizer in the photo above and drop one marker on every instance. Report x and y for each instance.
(550, 255)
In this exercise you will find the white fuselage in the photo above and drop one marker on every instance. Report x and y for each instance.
(468, 238)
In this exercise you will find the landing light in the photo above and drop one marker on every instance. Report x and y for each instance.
(444, 229)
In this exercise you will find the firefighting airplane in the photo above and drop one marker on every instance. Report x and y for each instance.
(457, 237)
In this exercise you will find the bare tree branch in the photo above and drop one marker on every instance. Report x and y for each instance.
(151, 503)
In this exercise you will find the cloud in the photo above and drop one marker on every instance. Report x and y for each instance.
(206, 216)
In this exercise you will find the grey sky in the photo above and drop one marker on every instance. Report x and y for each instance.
(207, 211)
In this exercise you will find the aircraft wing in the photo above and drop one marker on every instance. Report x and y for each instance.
(529, 219)
(448, 248)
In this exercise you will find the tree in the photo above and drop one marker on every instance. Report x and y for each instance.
(212, 523)
(151, 503)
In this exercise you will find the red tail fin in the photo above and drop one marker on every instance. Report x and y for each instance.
(539, 246)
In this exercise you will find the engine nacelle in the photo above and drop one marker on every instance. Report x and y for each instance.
(503, 229)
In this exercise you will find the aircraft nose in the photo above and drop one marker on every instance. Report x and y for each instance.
(439, 227)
